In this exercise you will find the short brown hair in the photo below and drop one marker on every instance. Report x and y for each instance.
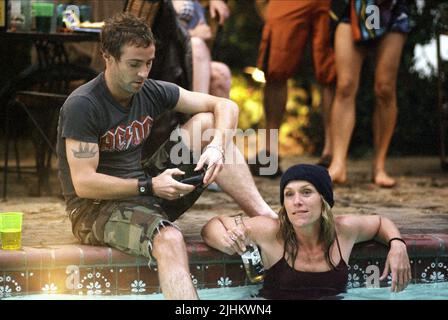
(122, 29)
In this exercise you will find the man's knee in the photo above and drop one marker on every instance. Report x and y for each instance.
(167, 242)
(221, 71)
(199, 49)
(221, 78)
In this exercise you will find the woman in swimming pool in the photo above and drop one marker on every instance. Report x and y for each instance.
(306, 250)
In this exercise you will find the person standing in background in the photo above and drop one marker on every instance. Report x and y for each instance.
(352, 45)
(286, 31)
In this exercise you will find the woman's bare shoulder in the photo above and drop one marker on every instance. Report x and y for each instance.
(354, 225)
(345, 223)
(264, 222)
(263, 227)
(343, 220)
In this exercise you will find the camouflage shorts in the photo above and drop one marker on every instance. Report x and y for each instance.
(129, 225)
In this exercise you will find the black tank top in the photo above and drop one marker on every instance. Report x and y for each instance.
(283, 282)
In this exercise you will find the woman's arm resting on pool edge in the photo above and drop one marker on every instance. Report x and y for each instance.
(215, 234)
(218, 232)
(382, 230)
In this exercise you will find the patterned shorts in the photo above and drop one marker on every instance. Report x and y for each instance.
(130, 225)
(397, 17)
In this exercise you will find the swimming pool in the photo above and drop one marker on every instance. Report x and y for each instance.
(427, 291)
(434, 291)
(96, 273)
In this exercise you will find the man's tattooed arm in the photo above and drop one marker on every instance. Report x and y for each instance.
(84, 151)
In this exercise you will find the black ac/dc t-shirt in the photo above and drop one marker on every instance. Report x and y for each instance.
(91, 114)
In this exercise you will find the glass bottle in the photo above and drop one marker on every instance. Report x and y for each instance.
(251, 259)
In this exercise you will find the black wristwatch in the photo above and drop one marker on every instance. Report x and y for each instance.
(145, 186)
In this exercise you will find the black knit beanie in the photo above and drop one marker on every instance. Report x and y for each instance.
(317, 175)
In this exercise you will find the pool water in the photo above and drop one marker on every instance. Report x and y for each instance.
(435, 291)
(228, 293)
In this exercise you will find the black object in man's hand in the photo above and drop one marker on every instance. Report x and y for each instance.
(195, 180)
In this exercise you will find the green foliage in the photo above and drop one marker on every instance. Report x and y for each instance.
(293, 139)
(238, 43)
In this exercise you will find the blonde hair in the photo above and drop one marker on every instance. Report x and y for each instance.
(327, 233)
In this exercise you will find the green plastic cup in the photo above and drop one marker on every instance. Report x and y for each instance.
(43, 12)
(11, 230)
(43, 9)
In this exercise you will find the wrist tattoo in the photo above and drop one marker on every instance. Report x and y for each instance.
(84, 152)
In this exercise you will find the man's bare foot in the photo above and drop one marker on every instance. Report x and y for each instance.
(338, 174)
(383, 180)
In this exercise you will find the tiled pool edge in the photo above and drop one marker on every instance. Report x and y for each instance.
(78, 269)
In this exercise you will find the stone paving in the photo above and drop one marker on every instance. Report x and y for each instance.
(418, 204)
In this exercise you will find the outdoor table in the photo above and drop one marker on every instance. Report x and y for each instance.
(53, 71)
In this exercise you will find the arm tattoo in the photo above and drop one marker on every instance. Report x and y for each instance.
(84, 152)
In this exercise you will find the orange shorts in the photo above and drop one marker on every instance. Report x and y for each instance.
(285, 33)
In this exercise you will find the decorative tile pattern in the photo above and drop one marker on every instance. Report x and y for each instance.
(364, 273)
(442, 267)
(197, 275)
(214, 276)
(434, 271)
(46, 285)
(356, 276)
(150, 278)
(107, 276)
(86, 270)
(50, 288)
(236, 272)
(138, 286)
(224, 282)
(426, 270)
(87, 284)
(64, 279)
(125, 277)
(33, 281)
(12, 283)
